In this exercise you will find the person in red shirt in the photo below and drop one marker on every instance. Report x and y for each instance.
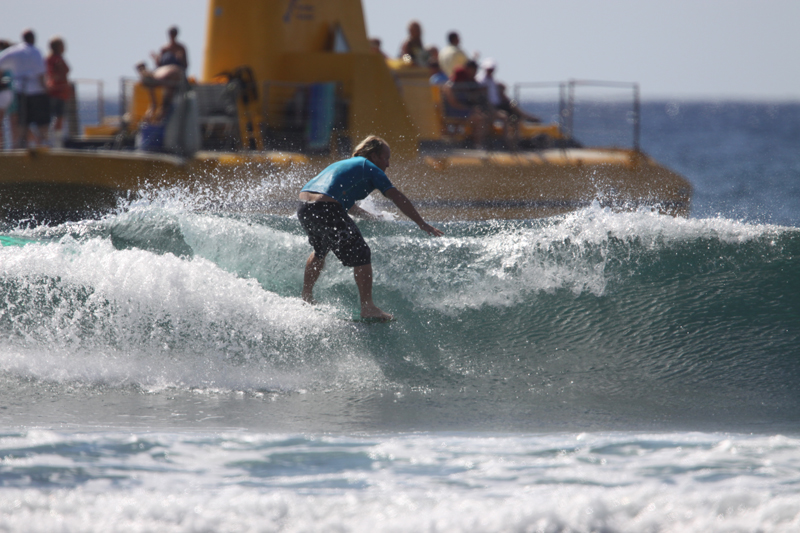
(58, 87)
(464, 99)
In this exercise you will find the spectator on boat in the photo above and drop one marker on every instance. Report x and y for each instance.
(30, 96)
(326, 201)
(433, 54)
(58, 87)
(452, 56)
(486, 78)
(515, 112)
(496, 94)
(464, 99)
(6, 97)
(170, 78)
(375, 46)
(412, 50)
(437, 76)
(172, 53)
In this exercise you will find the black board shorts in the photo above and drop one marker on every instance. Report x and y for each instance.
(330, 228)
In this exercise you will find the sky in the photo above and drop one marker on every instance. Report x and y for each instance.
(675, 49)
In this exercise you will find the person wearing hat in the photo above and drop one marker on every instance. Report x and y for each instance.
(486, 78)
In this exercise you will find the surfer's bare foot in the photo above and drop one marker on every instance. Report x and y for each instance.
(307, 298)
(373, 313)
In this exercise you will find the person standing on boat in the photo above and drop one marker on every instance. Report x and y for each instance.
(6, 99)
(452, 56)
(323, 213)
(412, 48)
(58, 87)
(172, 53)
(32, 103)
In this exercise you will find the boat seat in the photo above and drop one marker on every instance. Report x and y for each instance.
(218, 113)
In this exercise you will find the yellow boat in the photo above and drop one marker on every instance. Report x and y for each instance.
(288, 86)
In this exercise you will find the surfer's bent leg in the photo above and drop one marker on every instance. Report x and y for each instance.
(363, 276)
(330, 228)
(314, 266)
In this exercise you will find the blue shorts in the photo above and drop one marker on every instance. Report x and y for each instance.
(330, 228)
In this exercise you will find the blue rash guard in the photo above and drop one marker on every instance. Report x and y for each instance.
(349, 181)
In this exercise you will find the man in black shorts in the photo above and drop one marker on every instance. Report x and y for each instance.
(323, 213)
(28, 71)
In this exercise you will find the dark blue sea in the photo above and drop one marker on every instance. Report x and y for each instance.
(591, 372)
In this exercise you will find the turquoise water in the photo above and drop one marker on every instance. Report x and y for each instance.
(596, 371)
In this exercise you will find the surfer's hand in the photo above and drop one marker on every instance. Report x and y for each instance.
(362, 213)
(430, 230)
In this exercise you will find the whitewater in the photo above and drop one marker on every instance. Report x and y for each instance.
(595, 371)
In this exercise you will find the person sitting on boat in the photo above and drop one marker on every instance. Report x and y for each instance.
(464, 98)
(486, 78)
(512, 107)
(495, 93)
(172, 53)
(452, 56)
(412, 50)
(326, 201)
(170, 77)
(438, 77)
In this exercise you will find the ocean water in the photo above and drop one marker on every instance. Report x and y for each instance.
(592, 372)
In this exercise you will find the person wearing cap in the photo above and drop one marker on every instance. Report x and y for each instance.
(507, 109)
(486, 78)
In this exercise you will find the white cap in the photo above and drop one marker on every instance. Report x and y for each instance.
(488, 64)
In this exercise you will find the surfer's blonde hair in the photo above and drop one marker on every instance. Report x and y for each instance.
(371, 145)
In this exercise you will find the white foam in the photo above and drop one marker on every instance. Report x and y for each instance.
(572, 253)
(619, 482)
(90, 312)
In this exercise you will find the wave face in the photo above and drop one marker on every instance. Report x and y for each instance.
(594, 319)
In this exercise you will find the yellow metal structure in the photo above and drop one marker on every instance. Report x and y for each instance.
(323, 41)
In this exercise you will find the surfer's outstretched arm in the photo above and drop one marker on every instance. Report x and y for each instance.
(408, 209)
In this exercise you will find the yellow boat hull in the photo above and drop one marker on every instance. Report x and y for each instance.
(60, 184)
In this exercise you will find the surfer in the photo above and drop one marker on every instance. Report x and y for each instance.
(325, 202)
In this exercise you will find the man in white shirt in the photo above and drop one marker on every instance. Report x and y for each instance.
(451, 56)
(33, 104)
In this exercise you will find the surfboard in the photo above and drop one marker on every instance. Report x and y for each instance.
(7, 240)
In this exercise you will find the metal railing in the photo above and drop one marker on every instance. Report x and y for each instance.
(567, 102)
